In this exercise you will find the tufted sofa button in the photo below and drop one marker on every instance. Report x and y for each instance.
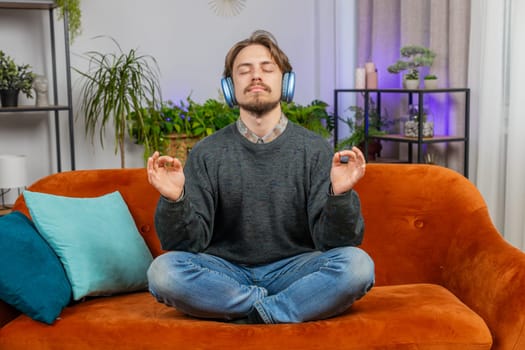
(418, 223)
(145, 229)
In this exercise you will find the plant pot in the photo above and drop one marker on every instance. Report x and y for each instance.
(9, 97)
(374, 149)
(411, 84)
(180, 146)
(430, 84)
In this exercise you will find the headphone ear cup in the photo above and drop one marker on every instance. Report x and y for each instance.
(288, 87)
(228, 91)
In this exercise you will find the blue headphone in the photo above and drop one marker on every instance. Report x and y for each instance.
(286, 92)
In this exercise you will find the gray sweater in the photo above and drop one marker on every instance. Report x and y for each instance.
(257, 203)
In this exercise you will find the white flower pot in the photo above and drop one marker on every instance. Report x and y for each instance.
(411, 84)
(431, 84)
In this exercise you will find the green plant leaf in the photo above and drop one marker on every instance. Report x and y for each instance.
(378, 124)
(117, 88)
(14, 76)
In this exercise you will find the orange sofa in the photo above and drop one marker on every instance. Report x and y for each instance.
(446, 279)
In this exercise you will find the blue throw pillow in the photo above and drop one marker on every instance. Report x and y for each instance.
(96, 239)
(32, 278)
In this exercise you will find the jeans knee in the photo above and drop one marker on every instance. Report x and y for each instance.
(162, 274)
(358, 268)
(155, 270)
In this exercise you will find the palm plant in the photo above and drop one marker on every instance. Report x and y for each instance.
(118, 87)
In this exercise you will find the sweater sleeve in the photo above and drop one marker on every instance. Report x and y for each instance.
(341, 222)
(335, 220)
(187, 225)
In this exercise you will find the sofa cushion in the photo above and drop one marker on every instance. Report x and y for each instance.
(132, 184)
(96, 240)
(32, 278)
(416, 316)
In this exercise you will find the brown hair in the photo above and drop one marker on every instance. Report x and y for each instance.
(259, 37)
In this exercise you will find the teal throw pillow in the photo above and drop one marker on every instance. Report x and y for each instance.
(96, 239)
(32, 278)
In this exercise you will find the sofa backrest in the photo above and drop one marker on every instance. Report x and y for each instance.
(133, 185)
(413, 213)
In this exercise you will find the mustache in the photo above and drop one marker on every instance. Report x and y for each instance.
(266, 87)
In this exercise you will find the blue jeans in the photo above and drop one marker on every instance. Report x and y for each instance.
(305, 287)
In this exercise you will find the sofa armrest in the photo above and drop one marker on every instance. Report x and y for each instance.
(429, 224)
(488, 274)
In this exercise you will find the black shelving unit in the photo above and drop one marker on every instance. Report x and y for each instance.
(419, 140)
(55, 108)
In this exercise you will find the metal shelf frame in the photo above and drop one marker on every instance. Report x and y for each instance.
(419, 140)
(55, 108)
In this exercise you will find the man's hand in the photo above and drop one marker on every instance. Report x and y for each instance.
(348, 167)
(166, 174)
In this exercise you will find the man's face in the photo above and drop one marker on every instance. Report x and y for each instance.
(257, 80)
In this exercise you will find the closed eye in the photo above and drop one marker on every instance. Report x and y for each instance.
(268, 67)
(244, 69)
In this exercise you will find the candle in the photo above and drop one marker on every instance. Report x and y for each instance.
(370, 67)
(371, 80)
(360, 78)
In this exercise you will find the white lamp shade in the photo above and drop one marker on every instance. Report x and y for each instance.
(13, 171)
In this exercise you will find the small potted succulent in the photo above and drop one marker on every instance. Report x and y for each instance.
(430, 82)
(13, 80)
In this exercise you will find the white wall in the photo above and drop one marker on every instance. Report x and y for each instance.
(189, 42)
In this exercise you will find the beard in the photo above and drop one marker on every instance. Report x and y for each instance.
(259, 106)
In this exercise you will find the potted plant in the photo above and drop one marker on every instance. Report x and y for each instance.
(414, 57)
(377, 125)
(114, 86)
(152, 131)
(13, 80)
(175, 128)
(430, 81)
(411, 79)
(313, 116)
